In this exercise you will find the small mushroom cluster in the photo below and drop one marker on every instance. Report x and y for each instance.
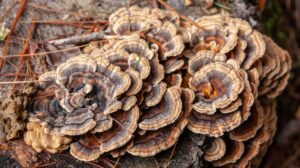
(139, 91)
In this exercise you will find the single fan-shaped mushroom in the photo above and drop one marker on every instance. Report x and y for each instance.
(165, 113)
(216, 150)
(90, 147)
(155, 141)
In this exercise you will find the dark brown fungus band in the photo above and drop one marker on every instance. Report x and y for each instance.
(276, 65)
(153, 77)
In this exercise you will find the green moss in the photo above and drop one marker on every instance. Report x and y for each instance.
(272, 20)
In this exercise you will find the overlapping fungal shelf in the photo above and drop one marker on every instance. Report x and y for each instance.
(138, 92)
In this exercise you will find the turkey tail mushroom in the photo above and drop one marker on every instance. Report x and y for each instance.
(138, 91)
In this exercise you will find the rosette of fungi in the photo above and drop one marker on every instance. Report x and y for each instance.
(138, 91)
(223, 94)
(246, 145)
(230, 36)
(159, 26)
(80, 98)
(164, 107)
(97, 99)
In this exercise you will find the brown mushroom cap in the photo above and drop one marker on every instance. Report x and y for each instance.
(134, 44)
(158, 24)
(216, 150)
(165, 113)
(213, 125)
(156, 94)
(203, 58)
(153, 142)
(71, 111)
(86, 149)
(122, 132)
(172, 65)
(134, 19)
(234, 151)
(214, 35)
(249, 128)
(41, 141)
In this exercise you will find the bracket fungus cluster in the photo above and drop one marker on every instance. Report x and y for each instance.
(139, 91)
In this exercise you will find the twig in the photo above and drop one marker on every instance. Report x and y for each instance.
(221, 5)
(94, 164)
(42, 7)
(172, 154)
(12, 28)
(181, 16)
(20, 82)
(156, 163)
(12, 74)
(65, 22)
(117, 162)
(106, 161)
(79, 39)
(45, 53)
(45, 165)
(24, 51)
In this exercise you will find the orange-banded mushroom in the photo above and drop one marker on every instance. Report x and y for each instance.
(216, 86)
